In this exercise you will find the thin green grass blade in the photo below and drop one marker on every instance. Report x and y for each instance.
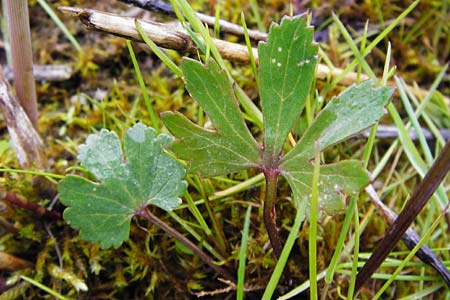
(375, 42)
(387, 276)
(201, 46)
(371, 140)
(30, 172)
(144, 91)
(412, 118)
(44, 288)
(366, 157)
(411, 150)
(440, 193)
(198, 27)
(161, 55)
(302, 287)
(60, 24)
(197, 214)
(351, 288)
(426, 100)
(197, 236)
(250, 51)
(217, 19)
(354, 48)
(386, 65)
(254, 7)
(312, 241)
(244, 185)
(249, 106)
(362, 47)
(218, 234)
(422, 293)
(340, 243)
(242, 256)
(384, 160)
(409, 147)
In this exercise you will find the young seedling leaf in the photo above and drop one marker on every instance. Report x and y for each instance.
(355, 109)
(228, 148)
(287, 64)
(128, 182)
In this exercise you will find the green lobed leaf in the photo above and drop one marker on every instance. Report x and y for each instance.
(228, 148)
(355, 109)
(103, 210)
(287, 64)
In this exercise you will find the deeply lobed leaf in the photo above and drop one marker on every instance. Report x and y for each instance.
(103, 210)
(228, 148)
(287, 64)
(355, 109)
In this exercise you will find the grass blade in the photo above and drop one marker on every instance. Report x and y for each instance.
(375, 42)
(312, 241)
(161, 55)
(152, 114)
(44, 288)
(302, 287)
(242, 257)
(60, 24)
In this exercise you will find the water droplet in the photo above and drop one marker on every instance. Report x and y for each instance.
(280, 49)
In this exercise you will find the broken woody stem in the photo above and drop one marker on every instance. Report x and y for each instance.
(173, 37)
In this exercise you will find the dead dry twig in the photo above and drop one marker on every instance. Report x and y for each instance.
(173, 37)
